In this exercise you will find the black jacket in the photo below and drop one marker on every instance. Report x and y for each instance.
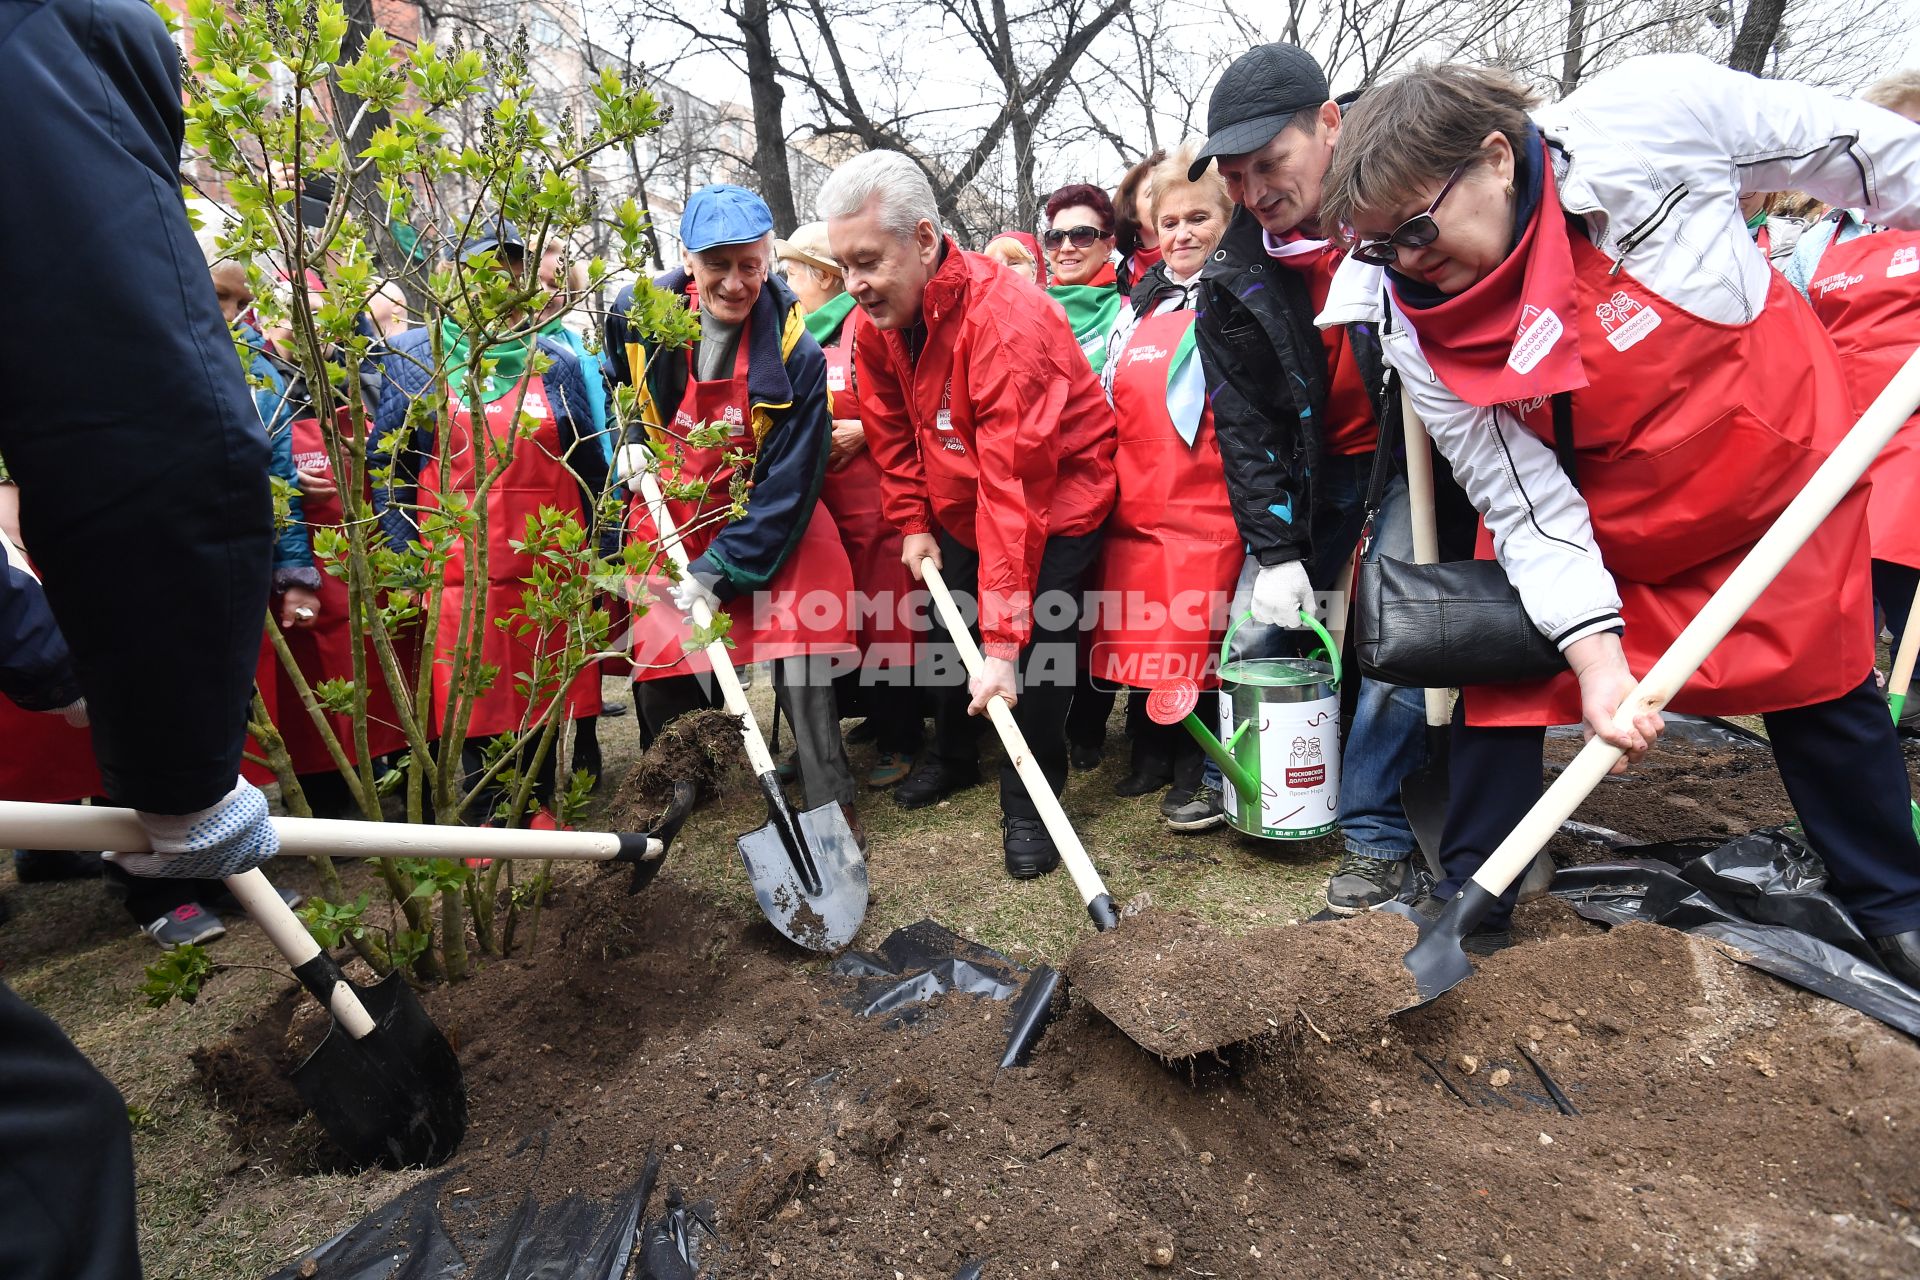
(1266, 373)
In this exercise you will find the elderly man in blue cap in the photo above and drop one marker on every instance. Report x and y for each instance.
(749, 396)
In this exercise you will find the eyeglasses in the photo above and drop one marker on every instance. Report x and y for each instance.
(1416, 232)
(1082, 237)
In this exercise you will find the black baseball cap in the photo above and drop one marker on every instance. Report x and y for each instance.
(1256, 96)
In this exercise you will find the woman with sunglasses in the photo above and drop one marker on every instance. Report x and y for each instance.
(1079, 245)
(1581, 274)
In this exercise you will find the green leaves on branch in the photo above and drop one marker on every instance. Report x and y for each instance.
(177, 975)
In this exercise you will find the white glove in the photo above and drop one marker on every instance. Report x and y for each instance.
(221, 840)
(1281, 593)
(74, 713)
(630, 463)
(690, 589)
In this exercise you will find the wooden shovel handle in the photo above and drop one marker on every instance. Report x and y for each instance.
(1823, 492)
(1086, 880)
(1902, 676)
(291, 939)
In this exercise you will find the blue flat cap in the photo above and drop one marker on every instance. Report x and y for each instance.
(723, 214)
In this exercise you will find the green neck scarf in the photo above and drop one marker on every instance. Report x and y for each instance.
(511, 361)
(1091, 310)
(825, 323)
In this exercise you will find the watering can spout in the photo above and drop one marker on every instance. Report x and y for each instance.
(1174, 702)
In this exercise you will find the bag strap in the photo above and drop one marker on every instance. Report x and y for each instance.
(1387, 414)
(1563, 436)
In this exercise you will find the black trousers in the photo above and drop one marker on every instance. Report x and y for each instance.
(1047, 664)
(66, 1158)
(1843, 770)
(1893, 587)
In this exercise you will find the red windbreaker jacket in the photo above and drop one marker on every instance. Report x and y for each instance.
(999, 431)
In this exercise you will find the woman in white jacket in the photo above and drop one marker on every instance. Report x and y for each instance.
(1587, 262)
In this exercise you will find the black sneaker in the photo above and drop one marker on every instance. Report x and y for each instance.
(933, 781)
(186, 924)
(1198, 810)
(1483, 941)
(1360, 883)
(1030, 851)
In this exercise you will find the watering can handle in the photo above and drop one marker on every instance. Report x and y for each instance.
(1312, 624)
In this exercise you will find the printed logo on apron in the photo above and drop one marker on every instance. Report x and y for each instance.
(943, 421)
(1626, 320)
(1905, 262)
(1539, 330)
(836, 377)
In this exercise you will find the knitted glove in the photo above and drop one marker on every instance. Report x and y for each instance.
(225, 839)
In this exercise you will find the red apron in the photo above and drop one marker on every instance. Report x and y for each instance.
(534, 476)
(802, 611)
(43, 759)
(852, 494)
(1691, 437)
(1867, 293)
(325, 650)
(1172, 551)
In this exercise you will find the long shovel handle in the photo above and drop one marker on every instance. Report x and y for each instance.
(1902, 676)
(1086, 880)
(291, 939)
(66, 826)
(1813, 504)
(1426, 528)
(717, 656)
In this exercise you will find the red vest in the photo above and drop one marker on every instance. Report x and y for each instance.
(1867, 293)
(881, 581)
(1691, 437)
(803, 610)
(534, 476)
(1171, 551)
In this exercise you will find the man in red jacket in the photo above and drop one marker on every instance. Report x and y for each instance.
(995, 446)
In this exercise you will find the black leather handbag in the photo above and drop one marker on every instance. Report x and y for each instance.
(1441, 626)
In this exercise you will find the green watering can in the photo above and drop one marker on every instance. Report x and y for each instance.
(1280, 721)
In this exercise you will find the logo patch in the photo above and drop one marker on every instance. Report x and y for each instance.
(735, 420)
(1539, 330)
(1836, 283)
(1905, 262)
(836, 377)
(943, 421)
(1626, 320)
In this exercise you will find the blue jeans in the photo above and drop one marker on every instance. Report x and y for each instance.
(1387, 739)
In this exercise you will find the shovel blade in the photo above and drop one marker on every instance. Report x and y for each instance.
(1438, 962)
(822, 920)
(396, 1097)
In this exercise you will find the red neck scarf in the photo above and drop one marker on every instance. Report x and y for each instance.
(1144, 259)
(1514, 335)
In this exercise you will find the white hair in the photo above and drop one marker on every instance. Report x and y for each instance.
(901, 187)
(764, 244)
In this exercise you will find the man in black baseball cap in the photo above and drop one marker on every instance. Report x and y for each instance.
(1293, 412)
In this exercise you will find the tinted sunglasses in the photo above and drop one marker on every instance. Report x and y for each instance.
(1416, 232)
(1082, 237)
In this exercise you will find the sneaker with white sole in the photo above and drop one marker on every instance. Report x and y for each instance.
(1203, 810)
(1360, 883)
(186, 925)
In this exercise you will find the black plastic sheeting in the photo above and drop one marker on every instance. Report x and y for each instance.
(423, 1235)
(1764, 896)
(923, 960)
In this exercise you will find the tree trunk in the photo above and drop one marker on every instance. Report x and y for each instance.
(1758, 30)
(1574, 63)
(392, 259)
(774, 181)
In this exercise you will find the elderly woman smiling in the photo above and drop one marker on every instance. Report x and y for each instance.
(1580, 276)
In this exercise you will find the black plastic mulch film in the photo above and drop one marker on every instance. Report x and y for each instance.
(415, 1236)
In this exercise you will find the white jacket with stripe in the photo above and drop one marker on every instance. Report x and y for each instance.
(1653, 156)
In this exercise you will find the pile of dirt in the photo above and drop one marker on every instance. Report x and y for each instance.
(1722, 1122)
(700, 747)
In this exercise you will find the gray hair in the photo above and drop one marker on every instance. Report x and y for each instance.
(901, 187)
(1896, 92)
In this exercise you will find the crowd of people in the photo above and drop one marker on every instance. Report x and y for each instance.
(1633, 322)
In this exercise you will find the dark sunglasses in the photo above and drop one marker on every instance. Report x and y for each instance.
(1082, 237)
(1416, 232)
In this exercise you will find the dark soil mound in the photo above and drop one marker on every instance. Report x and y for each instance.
(1725, 1123)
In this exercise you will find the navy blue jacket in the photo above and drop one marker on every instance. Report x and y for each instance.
(793, 430)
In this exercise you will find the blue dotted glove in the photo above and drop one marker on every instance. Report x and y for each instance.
(222, 840)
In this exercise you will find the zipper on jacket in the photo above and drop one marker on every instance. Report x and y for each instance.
(1630, 241)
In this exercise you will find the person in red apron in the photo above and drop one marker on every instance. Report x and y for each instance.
(881, 690)
(995, 447)
(1541, 269)
(779, 571)
(560, 465)
(1864, 284)
(1172, 549)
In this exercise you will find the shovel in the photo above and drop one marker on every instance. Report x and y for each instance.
(1437, 962)
(384, 1083)
(806, 868)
